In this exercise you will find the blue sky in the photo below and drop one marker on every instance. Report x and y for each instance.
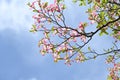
(19, 55)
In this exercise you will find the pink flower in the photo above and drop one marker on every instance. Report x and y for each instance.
(33, 4)
(81, 26)
(71, 51)
(43, 19)
(61, 6)
(75, 40)
(53, 7)
(93, 13)
(44, 41)
(55, 1)
(96, 7)
(83, 38)
(119, 33)
(42, 52)
(74, 33)
(35, 16)
(56, 56)
(60, 48)
(38, 27)
(50, 46)
(44, 47)
(92, 21)
(39, 11)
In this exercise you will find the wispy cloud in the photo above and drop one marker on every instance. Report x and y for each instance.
(14, 14)
(15, 17)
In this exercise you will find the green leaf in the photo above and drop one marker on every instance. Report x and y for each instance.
(119, 37)
(104, 1)
(102, 14)
(109, 78)
(74, 1)
(31, 30)
(28, 4)
(64, 6)
(52, 29)
(63, 51)
(45, 5)
(105, 32)
(34, 26)
(82, 3)
(89, 48)
(59, 1)
(35, 10)
(101, 33)
(89, 1)
(99, 25)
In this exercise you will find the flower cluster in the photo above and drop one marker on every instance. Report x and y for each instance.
(80, 57)
(53, 14)
(115, 72)
(45, 12)
(50, 20)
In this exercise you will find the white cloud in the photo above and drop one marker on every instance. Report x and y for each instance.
(15, 15)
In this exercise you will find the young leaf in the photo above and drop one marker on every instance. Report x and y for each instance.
(89, 48)
(109, 78)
